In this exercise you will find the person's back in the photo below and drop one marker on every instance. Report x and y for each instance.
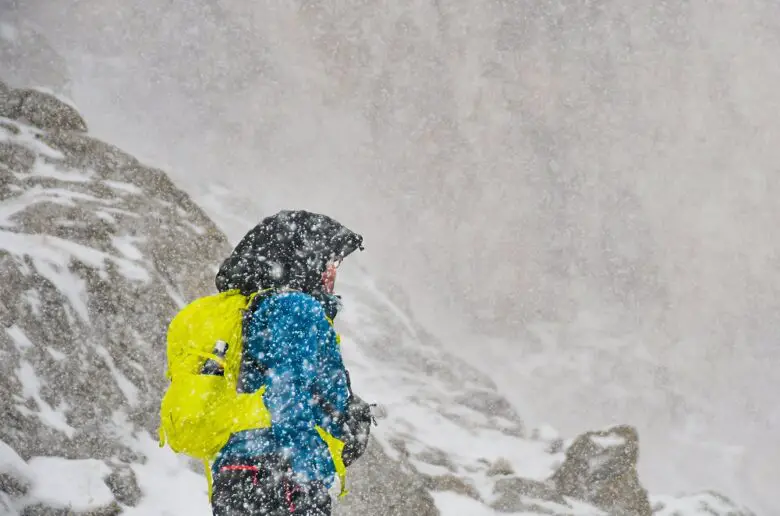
(290, 349)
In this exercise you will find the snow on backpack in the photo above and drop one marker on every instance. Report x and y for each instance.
(200, 411)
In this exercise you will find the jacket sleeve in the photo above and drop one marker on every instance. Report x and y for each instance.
(331, 386)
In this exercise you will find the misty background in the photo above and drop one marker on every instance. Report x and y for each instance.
(580, 196)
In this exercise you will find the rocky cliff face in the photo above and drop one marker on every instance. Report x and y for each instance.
(97, 252)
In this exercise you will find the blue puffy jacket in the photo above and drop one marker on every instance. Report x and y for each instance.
(290, 336)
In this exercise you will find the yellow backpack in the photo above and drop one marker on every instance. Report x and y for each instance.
(199, 412)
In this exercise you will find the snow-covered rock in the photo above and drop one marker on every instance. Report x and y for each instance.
(96, 252)
(40, 109)
(600, 468)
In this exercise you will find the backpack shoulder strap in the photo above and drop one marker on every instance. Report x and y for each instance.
(247, 360)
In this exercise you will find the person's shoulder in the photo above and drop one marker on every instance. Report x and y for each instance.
(298, 303)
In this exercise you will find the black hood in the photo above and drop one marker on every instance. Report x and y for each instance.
(289, 249)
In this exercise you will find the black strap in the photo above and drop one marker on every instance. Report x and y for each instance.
(247, 360)
(349, 382)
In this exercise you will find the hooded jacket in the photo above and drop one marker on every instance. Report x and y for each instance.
(290, 346)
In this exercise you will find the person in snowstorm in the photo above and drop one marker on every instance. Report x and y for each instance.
(289, 263)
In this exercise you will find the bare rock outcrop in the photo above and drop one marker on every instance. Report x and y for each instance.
(377, 486)
(600, 469)
(40, 109)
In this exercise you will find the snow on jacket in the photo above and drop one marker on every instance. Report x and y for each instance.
(290, 347)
